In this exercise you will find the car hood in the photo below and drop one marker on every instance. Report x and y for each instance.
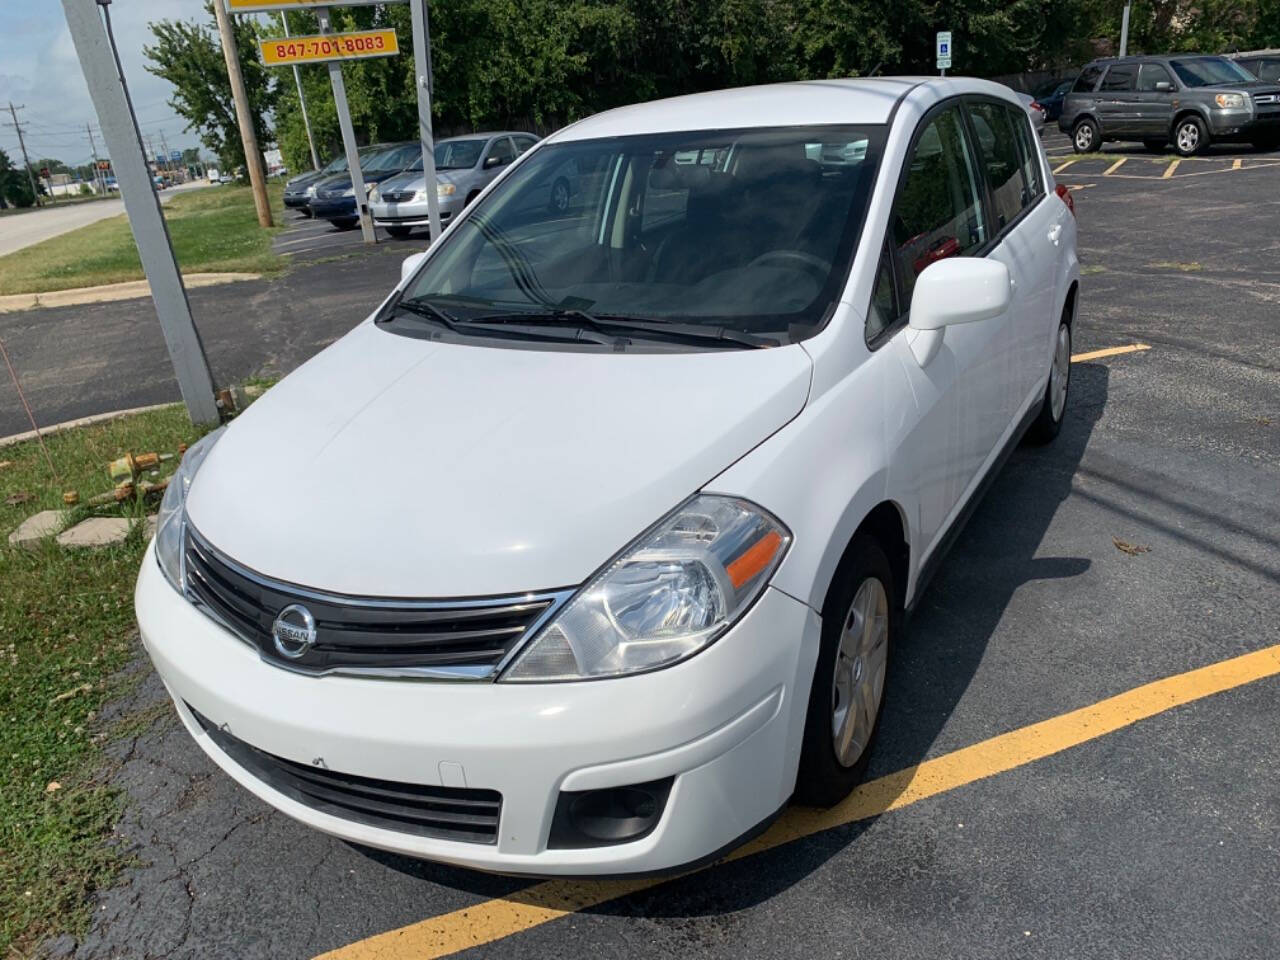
(390, 466)
(414, 180)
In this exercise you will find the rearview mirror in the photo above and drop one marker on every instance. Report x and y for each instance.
(1164, 86)
(954, 291)
(410, 265)
(494, 161)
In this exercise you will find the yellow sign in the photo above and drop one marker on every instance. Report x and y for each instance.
(284, 51)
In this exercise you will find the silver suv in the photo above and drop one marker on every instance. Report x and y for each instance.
(1189, 100)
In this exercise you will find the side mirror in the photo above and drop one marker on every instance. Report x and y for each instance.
(410, 265)
(1164, 86)
(954, 291)
(492, 161)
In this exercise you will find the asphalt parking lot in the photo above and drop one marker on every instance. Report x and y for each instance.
(1078, 755)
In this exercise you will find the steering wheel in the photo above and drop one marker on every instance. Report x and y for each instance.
(817, 267)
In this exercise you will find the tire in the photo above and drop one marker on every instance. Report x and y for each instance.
(347, 223)
(1266, 143)
(399, 232)
(864, 582)
(1054, 407)
(1085, 137)
(1190, 136)
(558, 201)
(470, 197)
(1155, 146)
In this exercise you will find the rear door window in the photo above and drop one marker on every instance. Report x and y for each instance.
(1031, 175)
(1120, 77)
(937, 213)
(1088, 79)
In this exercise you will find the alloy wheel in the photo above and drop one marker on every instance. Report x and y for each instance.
(1084, 137)
(1061, 372)
(857, 685)
(1188, 137)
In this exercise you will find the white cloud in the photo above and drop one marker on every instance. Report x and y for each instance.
(40, 70)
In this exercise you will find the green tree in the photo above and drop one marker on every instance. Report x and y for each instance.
(189, 55)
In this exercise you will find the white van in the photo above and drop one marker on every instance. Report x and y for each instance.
(587, 550)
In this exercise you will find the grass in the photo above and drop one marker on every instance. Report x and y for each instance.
(214, 229)
(1192, 267)
(66, 630)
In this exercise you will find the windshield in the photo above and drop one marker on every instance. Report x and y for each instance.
(1208, 71)
(395, 159)
(458, 154)
(750, 231)
(336, 165)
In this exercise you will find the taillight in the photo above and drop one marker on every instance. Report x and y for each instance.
(1065, 194)
(1036, 106)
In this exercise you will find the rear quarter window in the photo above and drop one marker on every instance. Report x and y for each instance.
(1087, 80)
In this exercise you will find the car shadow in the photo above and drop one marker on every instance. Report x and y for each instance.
(933, 666)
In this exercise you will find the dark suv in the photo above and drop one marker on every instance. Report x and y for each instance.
(1189, 100)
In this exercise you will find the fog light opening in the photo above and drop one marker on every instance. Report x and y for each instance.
(597, 818)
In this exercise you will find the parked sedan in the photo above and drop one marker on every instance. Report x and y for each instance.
(651, 482)
(296, 193)
(335, 196)
(1264, 66)
(464, 167)
(1051, 95)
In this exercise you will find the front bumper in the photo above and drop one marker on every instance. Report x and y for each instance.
(726, 724)
(295, 200)
(413, 213)
(1243, 124)
(337, 208)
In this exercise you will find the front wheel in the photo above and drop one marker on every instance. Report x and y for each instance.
(399, 232)
(859, 624)
(1085, 136)
(1049, 421)
(346, 223)
(1190, 137)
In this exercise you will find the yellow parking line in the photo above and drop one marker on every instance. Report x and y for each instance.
(1114, 167)
(1168, 171)
(543, 902)
(1237, 163)
(1108, 352)
(1062, 166)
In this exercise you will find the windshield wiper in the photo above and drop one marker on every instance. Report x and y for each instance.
(422, 307)
(618, 324)
(425, 308)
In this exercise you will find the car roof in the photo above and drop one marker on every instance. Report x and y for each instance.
(853, 101)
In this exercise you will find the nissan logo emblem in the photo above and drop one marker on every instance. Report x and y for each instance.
(294, 631)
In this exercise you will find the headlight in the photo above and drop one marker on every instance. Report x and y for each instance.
(374, 195)
(1230, 100)
(663, 599)
(445, 190)
(311, 190)
(169, 520)
(350, 191)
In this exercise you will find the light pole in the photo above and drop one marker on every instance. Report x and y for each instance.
(1124, 29)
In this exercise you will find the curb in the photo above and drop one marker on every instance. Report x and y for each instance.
(128, 290)
(82, 422)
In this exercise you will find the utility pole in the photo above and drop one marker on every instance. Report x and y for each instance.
(302, 100)
(1124, 30)
(252, 156)
(422, 66)
(93, 149)
(349, 138)
(31, 177)
(95, 48)
(164, 152)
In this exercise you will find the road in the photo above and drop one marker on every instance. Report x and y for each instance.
(20, 230)
(1057, 774)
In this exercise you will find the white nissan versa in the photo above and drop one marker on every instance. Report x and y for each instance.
(587, 550)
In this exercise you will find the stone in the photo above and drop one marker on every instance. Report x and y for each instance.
(35, 528)
(102, 531)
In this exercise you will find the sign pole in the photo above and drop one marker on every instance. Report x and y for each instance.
(422, 68)
(124, 145)
(348, 138)
(302, 100)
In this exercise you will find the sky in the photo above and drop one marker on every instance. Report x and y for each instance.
(38, 68)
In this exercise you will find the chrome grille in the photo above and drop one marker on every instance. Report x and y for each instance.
(451, 639)
(449, 813)
(398, 196)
